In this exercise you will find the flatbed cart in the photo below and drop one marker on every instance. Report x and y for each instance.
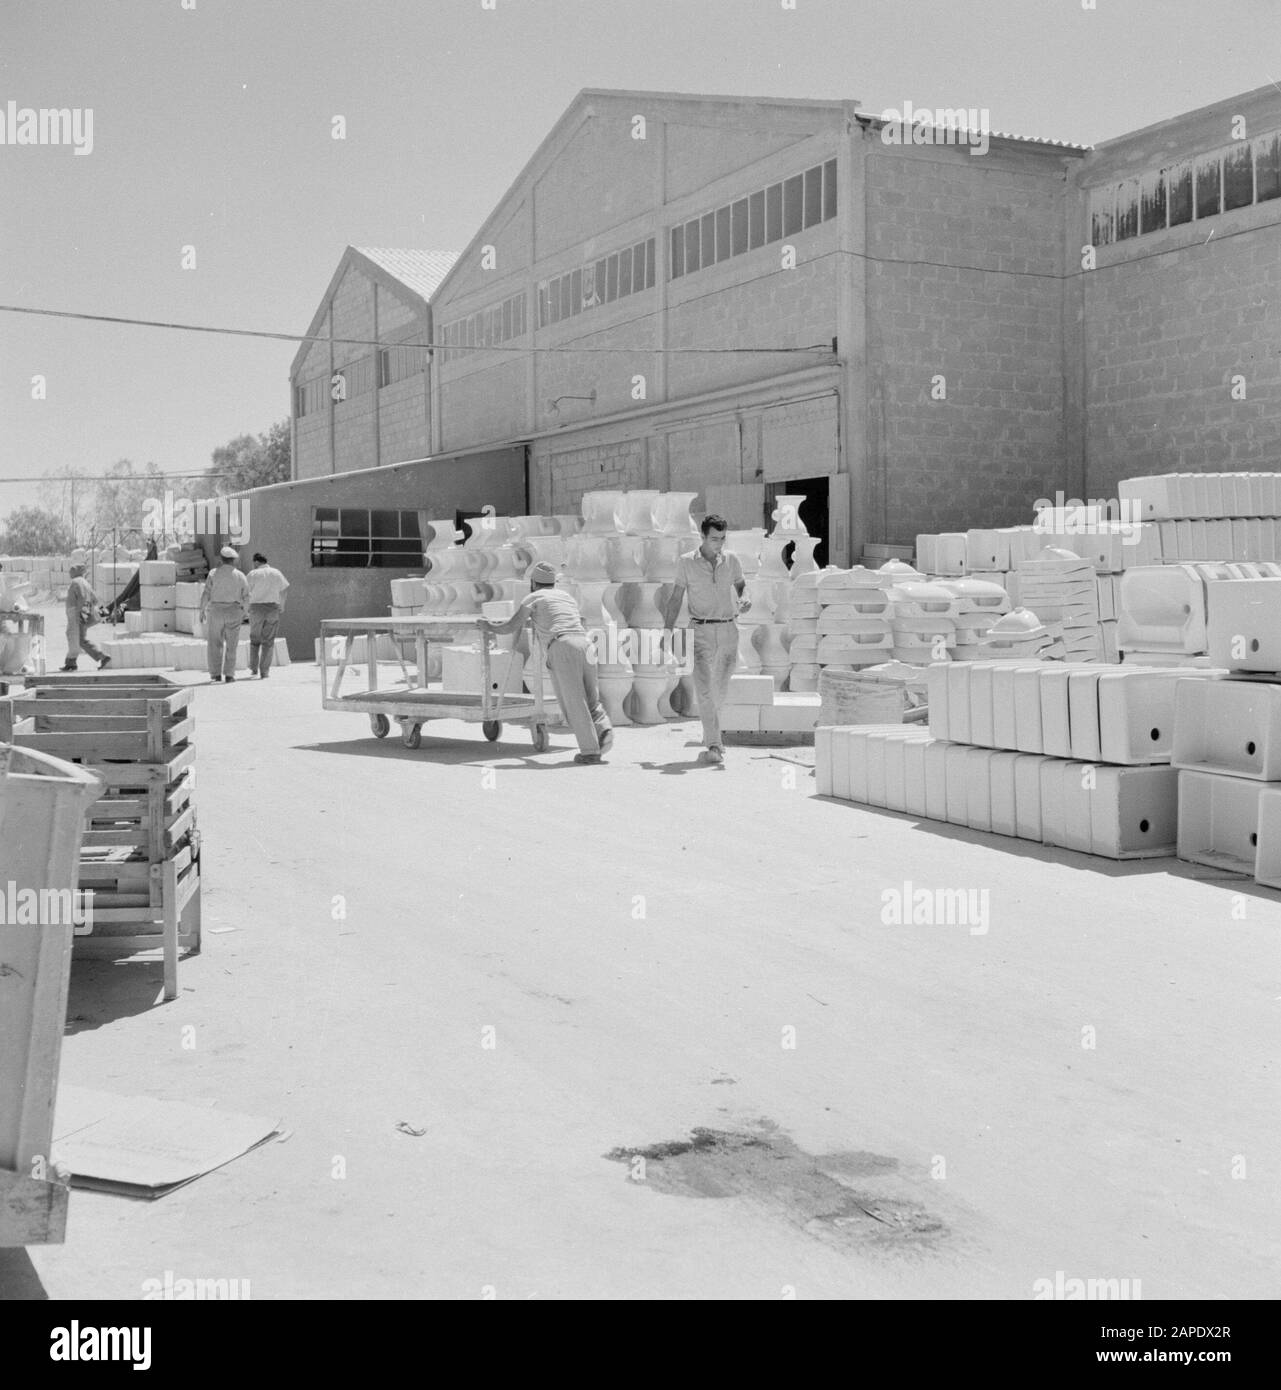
(411, 702)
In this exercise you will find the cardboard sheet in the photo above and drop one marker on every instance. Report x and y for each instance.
(140, 1147)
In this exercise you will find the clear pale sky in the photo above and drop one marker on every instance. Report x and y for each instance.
(211, 127)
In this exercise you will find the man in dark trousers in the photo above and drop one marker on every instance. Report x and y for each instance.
(559, 624)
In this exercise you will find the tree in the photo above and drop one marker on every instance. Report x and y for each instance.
(35, 531)
(252, 462)
(118, 501)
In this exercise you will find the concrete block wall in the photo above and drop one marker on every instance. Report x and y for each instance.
(403, 420)
(1172, 315)
(965, 284)
(561, 476)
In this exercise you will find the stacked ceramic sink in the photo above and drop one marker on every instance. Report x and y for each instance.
(1163, 609)
(1060, 587)
(1070, 755)
(1210, 516)
(1227, 736)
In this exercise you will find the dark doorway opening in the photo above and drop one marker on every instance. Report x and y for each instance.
(814, 514)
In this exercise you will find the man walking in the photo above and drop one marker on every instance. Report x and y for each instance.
(715, 585)
(222, 610)
(559, 624)
(82, 607)
(266, 603)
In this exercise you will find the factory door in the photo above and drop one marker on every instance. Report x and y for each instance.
(739, 504)
(814, 510)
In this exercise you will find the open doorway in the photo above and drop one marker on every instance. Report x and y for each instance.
(814, 511)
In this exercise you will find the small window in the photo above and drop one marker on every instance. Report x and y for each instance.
(793, 205)
(300, 401)
(829, 190)
(707, 238)
(576, 291)
(543, 319)
(774, 212)
(566, 301)
(611, 280)
(739, 231)
(384, 522)
(756, 220)
(384, 367)
(678, 252)
(1238, 177)
(693, 261)
(602, 266)
(520, 315)
(624, 272)
(1208, 184)
(1267, 168)
(814, 196)
(553, 300)
(638, 268)
(1101, 226)
(722, 233)
(1152, 203)
(1127, 210)
(1178, 183)
(649, 264)
(508, 306)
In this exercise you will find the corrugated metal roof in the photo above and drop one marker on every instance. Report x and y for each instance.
(421, 271)
(880, 118)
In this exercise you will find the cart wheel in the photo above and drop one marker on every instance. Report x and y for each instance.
(492, 728)
(542, 739)
(411, 735)
(380, 724)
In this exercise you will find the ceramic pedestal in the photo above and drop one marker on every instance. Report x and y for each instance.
(787, 515)
(615, 685)
(661, 556)
(637, 512)
(773, 653)
(803, 561)
(586, 557)
(749, 659)
(772, 566)
(747, 546)
(644, 611)
(624, 557)
(671, 514)
(602, 513)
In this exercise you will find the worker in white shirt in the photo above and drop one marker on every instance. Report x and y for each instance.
(266, 603)
(222, 610)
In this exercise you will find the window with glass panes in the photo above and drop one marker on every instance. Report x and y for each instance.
(499, 323)
(612, 277)
(366, 538)
(1236, 176)
(768, 215)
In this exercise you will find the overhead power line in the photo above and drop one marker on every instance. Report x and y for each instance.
(374, 343)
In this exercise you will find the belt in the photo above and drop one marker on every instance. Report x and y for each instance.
(711, 620)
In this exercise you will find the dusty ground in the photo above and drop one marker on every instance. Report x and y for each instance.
(660, 1043)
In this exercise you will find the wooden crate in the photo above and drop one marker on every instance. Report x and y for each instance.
(121, 717)
(140, 854)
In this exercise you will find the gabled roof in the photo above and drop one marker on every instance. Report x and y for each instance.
(878, 119)
(409, 274)
(422, 271)
(583, 105)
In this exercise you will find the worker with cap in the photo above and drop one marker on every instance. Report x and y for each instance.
(266, 603)
(82, 605)
(223, 605)
(556, 620)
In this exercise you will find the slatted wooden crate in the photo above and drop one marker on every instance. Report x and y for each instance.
(140, 855)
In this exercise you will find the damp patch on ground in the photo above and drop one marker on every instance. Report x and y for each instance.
(850, 1199)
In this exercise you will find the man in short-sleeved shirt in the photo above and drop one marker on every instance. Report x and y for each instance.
(222, 609)
(266, 603)
(715, 584)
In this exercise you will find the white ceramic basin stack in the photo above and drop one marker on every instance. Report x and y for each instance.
(1059, 587)
(853, 630)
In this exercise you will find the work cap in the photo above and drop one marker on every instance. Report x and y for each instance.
(76, 569)
(541, 573)
(228, 553)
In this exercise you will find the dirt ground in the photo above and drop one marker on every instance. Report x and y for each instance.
(534, 1030)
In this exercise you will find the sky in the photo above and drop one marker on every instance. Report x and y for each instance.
(212, 129)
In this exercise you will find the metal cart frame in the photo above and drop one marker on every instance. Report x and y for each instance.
(412, 704)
